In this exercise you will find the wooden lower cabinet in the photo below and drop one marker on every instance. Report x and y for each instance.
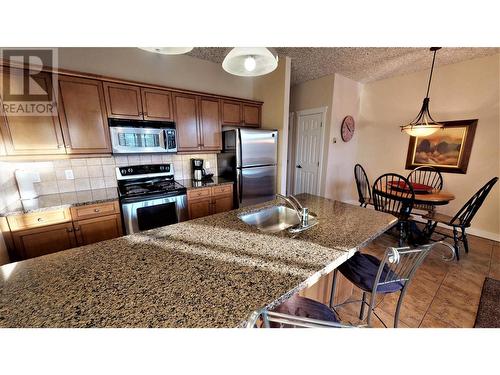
(83, 226)
(321, 290)
(208, 201)
(200, 208)
(222, 204)
(39, 241)
(97, 229)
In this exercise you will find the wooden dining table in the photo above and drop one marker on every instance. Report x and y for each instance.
(433, 198)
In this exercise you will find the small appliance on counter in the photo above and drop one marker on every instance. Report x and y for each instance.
(199, 173)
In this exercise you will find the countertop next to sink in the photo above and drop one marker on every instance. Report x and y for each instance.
(209, 272)
(60, 200)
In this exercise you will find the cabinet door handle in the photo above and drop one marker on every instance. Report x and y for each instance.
(69, 230)
(39, 219)
(97, 210)
(77, 229)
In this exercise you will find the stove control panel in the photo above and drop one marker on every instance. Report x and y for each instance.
(138, 171)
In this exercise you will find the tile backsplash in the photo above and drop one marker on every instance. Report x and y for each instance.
(88, 173)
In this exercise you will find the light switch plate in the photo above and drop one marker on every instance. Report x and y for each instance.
(69, 174)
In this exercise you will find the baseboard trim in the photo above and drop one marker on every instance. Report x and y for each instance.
(473, 231)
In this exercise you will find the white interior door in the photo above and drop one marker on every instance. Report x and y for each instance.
(308, 153)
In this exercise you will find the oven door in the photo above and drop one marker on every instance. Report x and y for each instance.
(129, 140)
(154, 213)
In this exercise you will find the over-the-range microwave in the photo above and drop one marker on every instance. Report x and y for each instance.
(133, 136)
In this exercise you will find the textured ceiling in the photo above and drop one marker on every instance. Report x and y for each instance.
(360, 64)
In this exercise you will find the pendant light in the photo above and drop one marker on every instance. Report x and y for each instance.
(424, 124)
(250, 61)
(168, 50)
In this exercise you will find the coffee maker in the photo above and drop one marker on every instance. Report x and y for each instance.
(199, 173)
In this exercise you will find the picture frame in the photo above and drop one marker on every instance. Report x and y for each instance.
(447, 150)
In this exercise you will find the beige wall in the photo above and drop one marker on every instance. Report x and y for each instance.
(317, 93)
(180, 71)
(465, 90)
(341, 156)
(274, 90)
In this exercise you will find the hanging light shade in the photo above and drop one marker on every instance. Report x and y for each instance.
(168, 50)
(250, 61)
(424, 124)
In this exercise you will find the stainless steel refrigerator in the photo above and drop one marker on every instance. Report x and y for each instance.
(249, 158)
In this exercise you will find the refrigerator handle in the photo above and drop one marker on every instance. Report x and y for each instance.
(239, 187)
(239, 160)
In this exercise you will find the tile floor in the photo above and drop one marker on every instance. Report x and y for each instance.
(442, 294)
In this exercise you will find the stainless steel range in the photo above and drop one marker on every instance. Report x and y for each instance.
(149, 197)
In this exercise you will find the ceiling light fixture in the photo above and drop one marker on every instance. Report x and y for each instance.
(250, 61)
(424, 124)
(168, 50)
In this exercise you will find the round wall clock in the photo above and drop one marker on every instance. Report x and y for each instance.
(347, 128)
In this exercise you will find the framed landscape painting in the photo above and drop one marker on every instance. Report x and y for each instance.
(447, 150)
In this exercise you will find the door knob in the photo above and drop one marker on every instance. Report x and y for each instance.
(299, 166)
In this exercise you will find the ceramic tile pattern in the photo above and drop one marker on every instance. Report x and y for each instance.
(442, 294)
(209, 272)
(88, 173)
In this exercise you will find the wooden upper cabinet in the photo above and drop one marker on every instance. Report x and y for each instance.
(123, 101)
(231, 113)
(186, 114)
(157, 105)
(34, 134)
(241, 113)
(251, 115)
(2, 143)
(83, 116)
(210, 125)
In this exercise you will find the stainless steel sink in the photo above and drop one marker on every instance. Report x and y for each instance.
(275, 219)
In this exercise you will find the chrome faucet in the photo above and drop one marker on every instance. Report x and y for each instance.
(302, 212)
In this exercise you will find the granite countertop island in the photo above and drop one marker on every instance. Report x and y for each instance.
(209, 272)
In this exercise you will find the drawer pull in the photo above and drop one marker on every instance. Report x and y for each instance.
(77, 229)
(39, 219)
(69, 230)
(97, 210)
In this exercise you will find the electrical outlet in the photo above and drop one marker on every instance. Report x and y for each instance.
(69, 174)
(35, 176)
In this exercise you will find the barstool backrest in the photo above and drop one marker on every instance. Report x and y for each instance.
(289, 321)
(393, 194)
(399, 265)
(427, 175)
(467, 212)
(362, 184)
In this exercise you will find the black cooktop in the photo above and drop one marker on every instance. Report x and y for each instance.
(149, 186)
